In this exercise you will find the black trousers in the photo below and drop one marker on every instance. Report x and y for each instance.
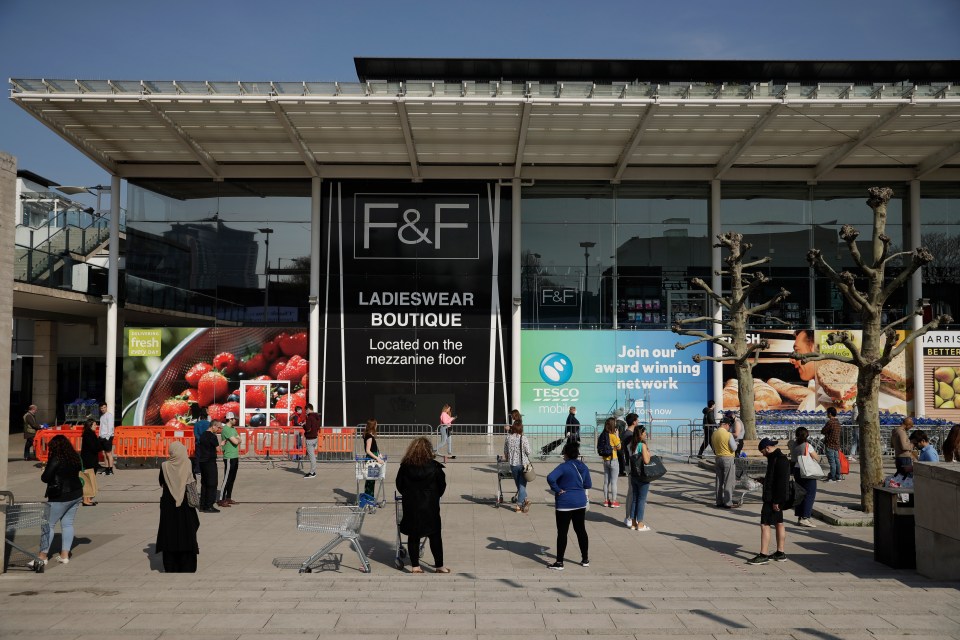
(229, 477)
(436, 548)
(707, 435)
(179, 561)
(208, 483)
(564, 518)
(27, 445)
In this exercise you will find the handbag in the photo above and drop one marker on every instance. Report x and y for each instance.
(529, 473)
(810, 469)
(191, 496)
(653, 470)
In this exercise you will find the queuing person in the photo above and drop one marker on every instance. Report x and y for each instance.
(89, 458)
(632, 420)
(921, 442)
(514, 416)
(106, 437)
(573, 425)
(709, 424)
(421, 482)
(372, 452)
(311, 433)
(570, 482)
(831, 439)
(608, 445)
(516, 451)
(64, 493)
(775, 484)
(200, 424)
(723, 446)
(446, 426)
(231, 460)
(737, 430)
(177, 533)
(802, 448)
(639, 487)
(206, 457)
(30, 428)
(951, 445)
(900, 443)
(621, 453)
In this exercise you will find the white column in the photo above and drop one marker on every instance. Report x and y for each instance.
(716, 283)
(113, 290)
(315, 253)
(916, 292)
(515, 294)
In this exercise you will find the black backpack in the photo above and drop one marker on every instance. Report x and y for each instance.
(603, 445)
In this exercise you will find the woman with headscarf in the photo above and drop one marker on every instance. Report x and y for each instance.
(177, 534)
(421, 482)
(64, 492)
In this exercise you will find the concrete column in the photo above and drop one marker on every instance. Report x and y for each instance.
(716, 283)
(313, 396)
(8, 200)
(113, 291)
(516, 294)
(45, 370)
(916, 292)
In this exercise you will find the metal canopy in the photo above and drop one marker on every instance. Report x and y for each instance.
(420, 130)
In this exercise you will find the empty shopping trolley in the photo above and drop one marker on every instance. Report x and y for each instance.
(369, 470)
(343, 520)
(24, 516)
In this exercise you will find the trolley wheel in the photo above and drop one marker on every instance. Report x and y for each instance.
(398, 563)
(39, 568)
(307, 570)
(513, 499)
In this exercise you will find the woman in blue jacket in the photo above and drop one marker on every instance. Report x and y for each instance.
(569, 482)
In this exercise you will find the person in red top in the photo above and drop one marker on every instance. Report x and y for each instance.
(311, 432)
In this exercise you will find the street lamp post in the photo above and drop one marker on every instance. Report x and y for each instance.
(586, 272)
(266, 272)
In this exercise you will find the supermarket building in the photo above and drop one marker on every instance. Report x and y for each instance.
(504, 233)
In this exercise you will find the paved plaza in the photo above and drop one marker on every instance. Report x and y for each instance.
(685, 579)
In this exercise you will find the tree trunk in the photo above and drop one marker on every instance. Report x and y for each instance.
(871, 462)
(747, 410)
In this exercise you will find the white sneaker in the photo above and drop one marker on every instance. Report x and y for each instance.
(59, 558)
(628, 522)
(806, 522)
(644, 528)
(38, 562)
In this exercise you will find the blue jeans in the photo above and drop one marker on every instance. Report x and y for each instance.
(611, 470)
(833, 457)
(517, 471)
(805, 508)
(638, 499)
(445, 440)
(64, 513)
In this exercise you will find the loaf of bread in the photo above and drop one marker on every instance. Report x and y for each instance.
(793, 392)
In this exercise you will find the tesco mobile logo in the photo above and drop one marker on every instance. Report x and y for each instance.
(556, 369)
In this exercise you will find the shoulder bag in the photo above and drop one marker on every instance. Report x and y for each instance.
(586, 492)
(191, 497)
(653, 470)
(529, 473)
(810, 469)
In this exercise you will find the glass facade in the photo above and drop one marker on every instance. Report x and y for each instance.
(940, 232)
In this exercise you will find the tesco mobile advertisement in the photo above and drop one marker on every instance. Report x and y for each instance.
(600, 372)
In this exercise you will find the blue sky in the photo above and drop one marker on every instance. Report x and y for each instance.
(318, 39)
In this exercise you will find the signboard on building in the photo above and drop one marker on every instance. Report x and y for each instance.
(941, 374)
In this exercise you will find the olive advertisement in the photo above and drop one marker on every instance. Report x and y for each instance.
(941, 374)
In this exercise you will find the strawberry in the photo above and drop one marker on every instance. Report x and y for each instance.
(254, 364)
(196, 372)
(173, 407)
(231, 407)
(274, 423)
(226, 362)
(212, 388)
(270, 351)
(256, 396)
(263, 378)
(190, 395)
(216, 412)
(174, 423)
(277, 367)
(294, 345)
(301, 397)
(296, 368)
(304, 380)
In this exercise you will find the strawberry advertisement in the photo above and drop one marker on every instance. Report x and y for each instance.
(172, 374)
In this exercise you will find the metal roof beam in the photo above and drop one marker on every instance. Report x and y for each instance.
(843, 152)
(408, 139)
(734, 152)
(936, 160)
(296, 139)
(632, 144)
(522, 137)
(102, 160)
(198, 152)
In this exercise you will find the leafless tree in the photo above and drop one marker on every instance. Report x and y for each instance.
(739, 313)
(878, 345)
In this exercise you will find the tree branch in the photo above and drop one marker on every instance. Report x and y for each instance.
(849, 233)
(755, 263)
(921, 257)
(844, 283)
(916, 312)
(760, 308)
(697, 282)
(704, 337)
(916, 333)
(704, 319)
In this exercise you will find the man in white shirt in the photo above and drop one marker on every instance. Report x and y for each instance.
(106, 437)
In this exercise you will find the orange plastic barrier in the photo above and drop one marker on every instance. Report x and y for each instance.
(41, 441)
(336, 440)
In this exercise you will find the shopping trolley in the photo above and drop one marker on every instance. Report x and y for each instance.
(503, 473)
(401, 550)
(343, 520)
(368, 469)
(750, 473)
(26, 515)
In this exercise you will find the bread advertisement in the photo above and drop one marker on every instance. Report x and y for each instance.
(783, 383)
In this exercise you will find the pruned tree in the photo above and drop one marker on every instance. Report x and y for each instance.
(739, 311)
(878, 345)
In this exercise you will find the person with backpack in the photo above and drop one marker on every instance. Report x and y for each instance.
(639, 486)
(570, 482)
(608, 444)
(776, 484)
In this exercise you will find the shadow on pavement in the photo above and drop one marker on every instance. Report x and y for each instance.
(529, 550)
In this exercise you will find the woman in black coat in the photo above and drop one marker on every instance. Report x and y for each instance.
(89, 452)
(177, 535)
(421, 482)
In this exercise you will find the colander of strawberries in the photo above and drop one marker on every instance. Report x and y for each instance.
(206, 370)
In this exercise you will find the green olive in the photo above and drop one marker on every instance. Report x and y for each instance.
(945, 374)
(945, 391)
